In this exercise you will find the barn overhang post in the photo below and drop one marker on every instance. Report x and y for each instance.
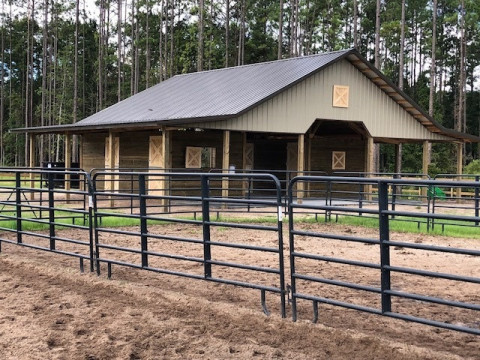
(300, 167)
(244, 162)
(112, 158)
(369, 163)
(398, 158)
(31, 154)
(159, 160)
(225, 162)
(68, 163)
(425, 164)
(459, 167)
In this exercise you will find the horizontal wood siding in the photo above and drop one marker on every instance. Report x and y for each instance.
(134, 149)
(93, 151)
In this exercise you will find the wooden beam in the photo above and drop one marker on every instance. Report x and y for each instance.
(369, 162)
(425, 164)
(225, 162)
(32, 163)
(68, 164)
(166, 164)
(459, 167)
(398, 158)
(300, 167)
(244, 161)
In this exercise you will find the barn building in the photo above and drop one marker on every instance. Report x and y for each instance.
(313, 113)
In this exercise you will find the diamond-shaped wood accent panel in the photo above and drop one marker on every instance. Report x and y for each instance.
(249, 156)
(340, 96)
(338, 160)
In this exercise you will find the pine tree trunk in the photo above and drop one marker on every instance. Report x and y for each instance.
(402, 48)
(280, 31)
(355, 24)
(119, 52)
(227, 32)
(377, 35)
(200, 35)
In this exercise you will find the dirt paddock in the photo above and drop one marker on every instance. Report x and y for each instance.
(49, 310)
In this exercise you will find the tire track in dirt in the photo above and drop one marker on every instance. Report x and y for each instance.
(55, 313)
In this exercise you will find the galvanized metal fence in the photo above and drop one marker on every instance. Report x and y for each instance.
(382, 281)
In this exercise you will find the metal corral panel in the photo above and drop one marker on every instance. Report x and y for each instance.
(295, 110)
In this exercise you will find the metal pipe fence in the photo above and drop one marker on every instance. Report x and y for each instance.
(152, 244)
(33, 208)
(381, 282)
(196, 225)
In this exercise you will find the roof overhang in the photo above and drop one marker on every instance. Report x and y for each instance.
(402, 99)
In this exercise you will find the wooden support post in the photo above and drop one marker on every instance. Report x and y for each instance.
(425, 164)
(111, 159)
(225, 162)
(166, 165)
(32, 163)
(244, 162)
(398, 158)
(309, 161)
(300, 167)
(459, 167)
(369, 162)
(68, 164)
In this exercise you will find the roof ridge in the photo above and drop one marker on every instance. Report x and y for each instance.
(264, 63)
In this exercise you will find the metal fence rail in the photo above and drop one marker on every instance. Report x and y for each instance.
(389, 289)
(33, 207)
(208, 253)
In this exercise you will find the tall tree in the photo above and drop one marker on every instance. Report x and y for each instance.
(200, 35)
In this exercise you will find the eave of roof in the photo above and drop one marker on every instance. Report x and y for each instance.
(402, 99)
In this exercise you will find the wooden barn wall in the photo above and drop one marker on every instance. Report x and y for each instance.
(295, 109)
(182, 139)
(134, 149)
(321, 160)
(353, 146)
(93, 151)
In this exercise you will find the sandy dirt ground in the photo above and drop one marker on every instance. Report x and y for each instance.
(49, 310)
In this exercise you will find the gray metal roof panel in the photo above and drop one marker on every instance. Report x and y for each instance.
(211, 94)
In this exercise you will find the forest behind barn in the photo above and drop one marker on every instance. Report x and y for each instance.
(65, 60)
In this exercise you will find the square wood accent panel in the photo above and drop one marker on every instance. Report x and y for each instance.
(338, 160)
(340, 96)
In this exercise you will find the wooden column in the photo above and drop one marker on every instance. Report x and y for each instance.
(459, 167)
(369, 163)
(32, 163)
(68, 164)
(225, 161)
(244, 162)
(300, 167)
(112, 149)
(425, 164)
(309, 161)
(425, 158)
(398, 158)
(166, 164)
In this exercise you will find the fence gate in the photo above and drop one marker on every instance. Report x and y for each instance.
(175, 227)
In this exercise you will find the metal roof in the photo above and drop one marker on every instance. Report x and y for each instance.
(226, 93)
(221, 93)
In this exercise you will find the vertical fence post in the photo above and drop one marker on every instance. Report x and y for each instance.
(51, 209)
(477, 198)
(18, 203)
(384, 247)
(280, 245)
(293, 287)
(95, 222)
(143, 220)
(206, 227)
(88, 188)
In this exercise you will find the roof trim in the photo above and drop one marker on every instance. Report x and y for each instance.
(402, 99)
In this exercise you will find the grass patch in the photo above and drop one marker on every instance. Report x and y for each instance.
(459, 229)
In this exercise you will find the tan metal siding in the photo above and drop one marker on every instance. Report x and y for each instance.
(294, 110)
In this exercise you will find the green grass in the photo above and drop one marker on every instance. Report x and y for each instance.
(458, 229)
(403, 224)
